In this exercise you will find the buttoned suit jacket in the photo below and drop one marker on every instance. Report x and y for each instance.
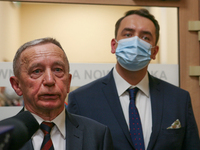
(83, 134)
(99, 100)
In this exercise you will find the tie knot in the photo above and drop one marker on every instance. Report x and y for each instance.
(132, 93)
(46, 127)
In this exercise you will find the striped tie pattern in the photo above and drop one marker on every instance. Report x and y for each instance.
(135, 123)
(46, 128)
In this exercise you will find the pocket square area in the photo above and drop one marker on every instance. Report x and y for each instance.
(175, 125)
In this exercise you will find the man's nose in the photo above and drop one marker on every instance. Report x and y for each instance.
(49, 79)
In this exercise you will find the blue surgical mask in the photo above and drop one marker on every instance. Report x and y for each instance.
(133, 53)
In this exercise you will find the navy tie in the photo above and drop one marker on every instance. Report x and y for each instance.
(47, 143)
(134, 121)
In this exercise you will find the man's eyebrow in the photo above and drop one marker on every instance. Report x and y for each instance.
(132, 30)
(60, 63)
(35, 65)
(127, 29)
(147, 32)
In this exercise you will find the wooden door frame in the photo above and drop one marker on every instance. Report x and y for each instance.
(189, 46)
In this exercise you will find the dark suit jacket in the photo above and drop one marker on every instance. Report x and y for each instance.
(99, 100)
(83, 134)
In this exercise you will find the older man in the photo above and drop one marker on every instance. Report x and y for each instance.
(41, 70)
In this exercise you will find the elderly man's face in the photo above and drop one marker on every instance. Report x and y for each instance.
(44, 80)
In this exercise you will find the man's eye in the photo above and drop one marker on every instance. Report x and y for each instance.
(145, 38)
(58, 69)
(128, 35)
(36, 71)
(59, 72)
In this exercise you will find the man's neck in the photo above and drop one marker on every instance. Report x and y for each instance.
(45, 114)
(132, 77)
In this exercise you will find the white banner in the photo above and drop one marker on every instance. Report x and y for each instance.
(83, 73)
(5, 72)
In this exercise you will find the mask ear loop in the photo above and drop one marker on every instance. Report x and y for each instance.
(153, 47)
(116, 41)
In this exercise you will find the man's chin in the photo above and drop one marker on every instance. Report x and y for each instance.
(50, 105)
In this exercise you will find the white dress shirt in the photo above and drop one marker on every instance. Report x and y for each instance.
(58, 133)
(143, 102)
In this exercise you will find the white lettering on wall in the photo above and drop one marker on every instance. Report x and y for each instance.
(83, 73)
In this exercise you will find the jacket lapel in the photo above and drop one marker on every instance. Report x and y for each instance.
(111, 94)
(74, 135)
(28, 146)
(157, 107)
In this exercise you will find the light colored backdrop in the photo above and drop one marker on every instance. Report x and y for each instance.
(85, 31)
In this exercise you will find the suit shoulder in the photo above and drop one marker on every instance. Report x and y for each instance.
(167, 85)
(87, 121)
(96, 84)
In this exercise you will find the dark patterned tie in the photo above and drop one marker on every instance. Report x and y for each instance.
(47, 143)
(135, 123)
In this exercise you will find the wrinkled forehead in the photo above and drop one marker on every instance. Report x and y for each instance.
(43, 52)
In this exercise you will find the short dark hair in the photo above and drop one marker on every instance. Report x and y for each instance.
(16, 60)
(141, 12)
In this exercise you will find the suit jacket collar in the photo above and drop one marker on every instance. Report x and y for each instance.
(157, 97)
(74, 133)
(28, 146)
(111, 95)
(157, 106)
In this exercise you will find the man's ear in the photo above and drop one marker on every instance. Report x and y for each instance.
(69, 83)
(113, 46)
(15, 85)
(154, 52)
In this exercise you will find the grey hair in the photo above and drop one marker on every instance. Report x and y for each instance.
(16, 60)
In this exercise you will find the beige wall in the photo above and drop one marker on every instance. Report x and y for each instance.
(168, 42)
(9, 30)
(85, 31)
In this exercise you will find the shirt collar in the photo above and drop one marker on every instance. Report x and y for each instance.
(122, 85)
(58, 121)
